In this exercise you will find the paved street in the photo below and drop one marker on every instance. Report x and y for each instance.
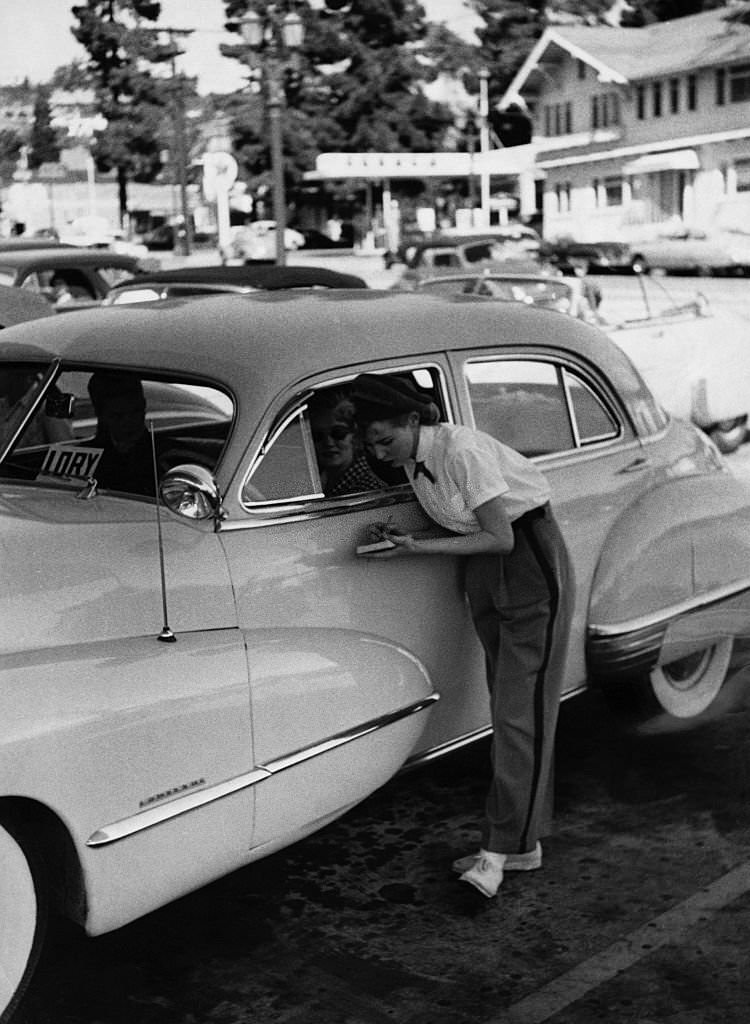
(639, 915)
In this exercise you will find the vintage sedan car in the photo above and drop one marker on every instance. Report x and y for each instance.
(193, 682)
(584, 257)
(65, 274)
(564, 294)
(453, 254)
(712, 387)
(693, 251)
(249, 277)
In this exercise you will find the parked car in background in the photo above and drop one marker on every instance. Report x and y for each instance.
(66, 275)
(96, 233)
(257, 241)
(693, 251)
(166, 237)
(191, 281)
(220, 674)
(586, 257)
(564, 294)
(452, 254)
(692, 357)
(314, 239)
(21, 242)
(520, 238)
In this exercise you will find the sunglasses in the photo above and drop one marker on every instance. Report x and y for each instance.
(336, 433)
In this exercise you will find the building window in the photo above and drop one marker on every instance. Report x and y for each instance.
(640, 102)
(562, 191)
(742, 173)
(558, 118)
(605, 110)
(674, 95)
(720, 78)
(581, 70)
(656, 99)
(739, 83)
(613, 191)
(692, 92)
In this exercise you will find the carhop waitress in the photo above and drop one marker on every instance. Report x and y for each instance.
(491, 504)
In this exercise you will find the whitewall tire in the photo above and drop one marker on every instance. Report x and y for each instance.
(23, 915)
(687, 687)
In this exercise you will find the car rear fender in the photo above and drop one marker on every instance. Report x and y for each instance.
(674, 575)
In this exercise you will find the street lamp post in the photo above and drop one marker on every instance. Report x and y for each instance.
(271, 36)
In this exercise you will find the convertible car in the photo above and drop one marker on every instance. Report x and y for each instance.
(712, 385)
(198, 669)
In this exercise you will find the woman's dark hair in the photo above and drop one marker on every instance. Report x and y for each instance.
(336, 401)
(392, 397)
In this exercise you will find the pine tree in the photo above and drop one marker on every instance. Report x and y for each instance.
(357, 88)
(44, 143)
(131, 99)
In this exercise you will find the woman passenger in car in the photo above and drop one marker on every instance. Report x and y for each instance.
(490, 503)
(342, 463)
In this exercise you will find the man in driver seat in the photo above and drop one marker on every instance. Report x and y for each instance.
(127, 462)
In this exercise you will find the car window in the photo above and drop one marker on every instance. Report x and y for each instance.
(537, 406)
(314, 451)
(593, 419)
(477, 252)
(445, 259)
(111, 427)
(114, 275)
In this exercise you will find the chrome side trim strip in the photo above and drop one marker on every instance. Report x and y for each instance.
(665, 614)
(156, 815)
(117, 830)
(447, 748)
(280, 764)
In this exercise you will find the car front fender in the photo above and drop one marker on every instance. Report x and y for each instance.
(674, 576)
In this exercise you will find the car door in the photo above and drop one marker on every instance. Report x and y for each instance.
(567, 418)
(333, 639)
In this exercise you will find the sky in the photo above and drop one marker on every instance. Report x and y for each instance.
(35, 38)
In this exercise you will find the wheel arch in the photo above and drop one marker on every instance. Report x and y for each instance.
(54, 843)
(673, 573)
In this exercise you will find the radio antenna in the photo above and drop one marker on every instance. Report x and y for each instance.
(166, 635)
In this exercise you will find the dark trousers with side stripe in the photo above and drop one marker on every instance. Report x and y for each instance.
(521, 605)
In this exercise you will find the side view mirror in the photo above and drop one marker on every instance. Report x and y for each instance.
(191, 491)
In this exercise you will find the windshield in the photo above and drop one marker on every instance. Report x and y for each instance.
(20, 386)
(121, 429)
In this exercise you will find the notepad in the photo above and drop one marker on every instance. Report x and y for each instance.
(378, 545)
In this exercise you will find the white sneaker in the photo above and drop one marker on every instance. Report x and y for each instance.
(530, 861)
(486, 874)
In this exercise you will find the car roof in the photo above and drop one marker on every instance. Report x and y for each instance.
(265, 276)
(66, 256)
(17, 305)
(258, 344)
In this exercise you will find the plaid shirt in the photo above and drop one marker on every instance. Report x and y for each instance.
(358, 477)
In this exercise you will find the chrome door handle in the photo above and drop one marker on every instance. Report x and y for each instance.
(642, 462)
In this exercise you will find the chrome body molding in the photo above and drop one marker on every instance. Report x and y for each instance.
(665, 615)
(447, 748)
(442, 749)
(118, 830)
(632, 648)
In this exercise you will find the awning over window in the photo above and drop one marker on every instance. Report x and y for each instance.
(674, 160)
